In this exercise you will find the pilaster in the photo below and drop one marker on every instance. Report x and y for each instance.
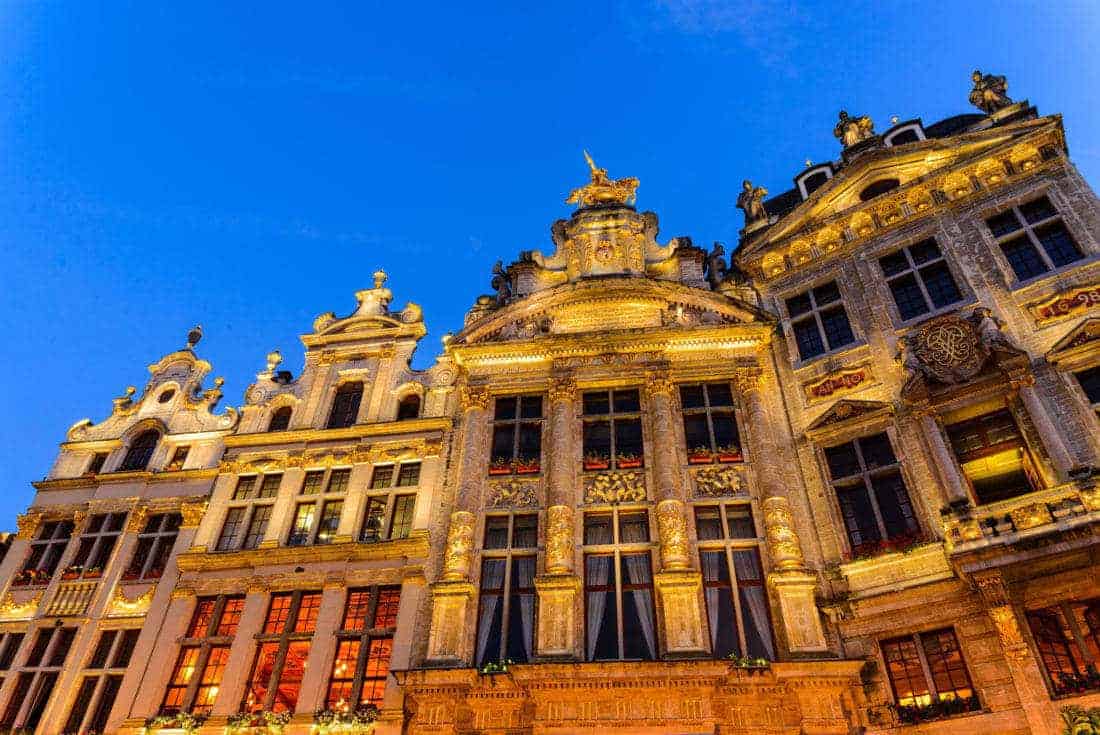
(557, 620)
(679, 592)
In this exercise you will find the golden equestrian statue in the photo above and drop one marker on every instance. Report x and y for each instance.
(602, 190)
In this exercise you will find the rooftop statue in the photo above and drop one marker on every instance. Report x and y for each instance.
(751, 202)
(852, 130)
(601, 189)
(990, 92)
(715, 269)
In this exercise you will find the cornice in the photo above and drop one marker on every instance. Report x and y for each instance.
(358, 431)
(112, 478)
(416, 546)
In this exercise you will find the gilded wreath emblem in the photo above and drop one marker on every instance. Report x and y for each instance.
(949, 350)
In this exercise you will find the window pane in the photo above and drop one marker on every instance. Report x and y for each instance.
(530, 442)
(725, 432)
(303, 525)
(106, 702)
(102, 649)
(941, 285)
(409, 475)
(1059, 244)
(691, 396)
(381, 476)
(739, 520)
(376, 670)
(894, 506)
(1003, 223)
(211, 680)
(628, 439)
(385, 613)
(356, 609)
(521, 617)
(503, 443)
(601, 609)
(719, 395)
(894, 263)
(63, 642)
(257, 526)
(531, 407)
(81, 704)
(200, 621)
(597, 439)
(278, 613)
(308, 609)
(798, 305)
(838, 331)
(808, 338)
(949, 674)
(269, 487)
(525, 531)
(496, 532)
(924, 251)
(312, 483)
(290, 679)
(626, 401)
(597, 529)
(842, 460)
(338, 480)
(826, 293)
(262, 669)
(633, 527)
(490, 624)
(877, 451)
(1090, 383)
(330, 521)
(231, 616)
(908, 297)
(402, 516)
(125, 649)
(906, 674)
(597, 403)
(343, 674)
(11, 646)
(1037, 210)
(695, 431)
(1024, 258)
(245, 486)
(374, 519)
(505, 409)
(859, 518)
(708, 523)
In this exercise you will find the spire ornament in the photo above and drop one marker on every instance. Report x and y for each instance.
(194, 336)
(990, 92)
(851, 130)
(602, 190)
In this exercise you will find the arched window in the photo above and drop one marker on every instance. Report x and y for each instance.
(409, 407)
(345, 406)
(280, 420)
(140, 451)
(878, 188)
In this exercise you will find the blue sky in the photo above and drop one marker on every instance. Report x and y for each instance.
(248, 166)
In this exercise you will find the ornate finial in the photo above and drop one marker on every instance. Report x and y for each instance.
(751, 202)
(601, 189)
(274, 358)
(894, 119)
(852, 130)
(379, 278)
(194, 336)
(219, 382)
(809, 163)
(447, 338)
(990, 92)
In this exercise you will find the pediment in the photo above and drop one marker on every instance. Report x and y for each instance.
(1083, 338)
(845, 411)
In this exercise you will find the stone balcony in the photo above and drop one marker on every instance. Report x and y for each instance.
(1059, 518)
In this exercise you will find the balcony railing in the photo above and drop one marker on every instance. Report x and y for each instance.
(1065, 506)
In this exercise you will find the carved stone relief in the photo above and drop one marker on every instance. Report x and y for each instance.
(615, 487)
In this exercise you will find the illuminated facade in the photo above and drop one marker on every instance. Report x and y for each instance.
(843, 484)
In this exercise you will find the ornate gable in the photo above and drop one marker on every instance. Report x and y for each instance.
(847, 412)
(1080, 347)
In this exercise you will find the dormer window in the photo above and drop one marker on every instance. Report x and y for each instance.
(878, 188)
(911, 133)
(166, 396)
(813, 179)
(140, 451)
(345, 406)
(96, 465)
(280, 420)
(408, 407)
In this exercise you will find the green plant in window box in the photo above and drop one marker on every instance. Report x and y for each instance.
(72, 572)
(179, 721)
(628, 461)
(750, 664)
(500, 467)
(939, 709)
(273, 722)
(1081, 721)
(527, 465)
(495, 667)
(730, 453)
(596, 461)
(361, 719)
(700, 455)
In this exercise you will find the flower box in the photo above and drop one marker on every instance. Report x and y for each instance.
(498, 467)
(29, 577)
(730, 454)
(70, 573)
(358, 720)
(597, 462)
(700, 456)
(527, 466)
(628, 462)
(938, 710)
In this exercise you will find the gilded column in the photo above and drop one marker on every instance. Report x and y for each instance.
(944, 459)
(789, 580)
(451, 596)
(1049, 434)
(678, 585)
(559, 589)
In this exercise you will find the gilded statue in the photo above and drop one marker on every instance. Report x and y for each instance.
(751, 202)
(991, 333)
(852, 130)
(501, 283)
(601, 189)
(990, 92)
(715, 269)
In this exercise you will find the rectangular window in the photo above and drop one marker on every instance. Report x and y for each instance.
(204, 652)
(246, 485)
(1067, 637)
(390, 516)
(506, 607)
(925, 670)
(313, 482)
(232, 529)
(236, 533)
(96, 545)
(345, 406)
(919, 279)
(1089, 381)
(96, 465)
(620, 621)
(710, 426)
(37, 678)
(819, 321)
(612, 430)
(874, 501)
(9, 646)
(179, 458)
(363, 646)
(257, 526)
(281, 652)
(154, 547)
(316, 521)
(1034, 239)
(517, 436)
(101, 682)
(44, 553)
(993, 456)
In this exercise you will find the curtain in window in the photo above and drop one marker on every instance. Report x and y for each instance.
(492, 577)
(636, 567)
(598, 574)
(713, 562)
(523, 577)
(754, 605)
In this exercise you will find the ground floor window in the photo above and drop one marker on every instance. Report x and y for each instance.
(928, 675)
(1067, 637)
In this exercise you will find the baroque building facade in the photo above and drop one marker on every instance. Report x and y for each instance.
(843, 482)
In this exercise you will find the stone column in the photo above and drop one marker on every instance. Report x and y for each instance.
(955, 487)
(1027, 678)
(678, 585)
(559, 589)
(1049, 434)
(322, 648)
(788, 579)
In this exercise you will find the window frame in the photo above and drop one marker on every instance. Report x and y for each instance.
(335, 421)
(1030, 463)
(614, 459)
(914, 270)
(390, 495)
(256, 499)
(509, 553)
(54, 544)
(709, 411)
(103, 535)
(204, 644)
(935, 696)
(322, 502)
(364, 637)
(1027, 232)
(132, 461)
(517, 463)
(1082, 646)
(284, 638)
(814, 314)
(617, 549)
(277, 417)
(166, 532)
(91, 716)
